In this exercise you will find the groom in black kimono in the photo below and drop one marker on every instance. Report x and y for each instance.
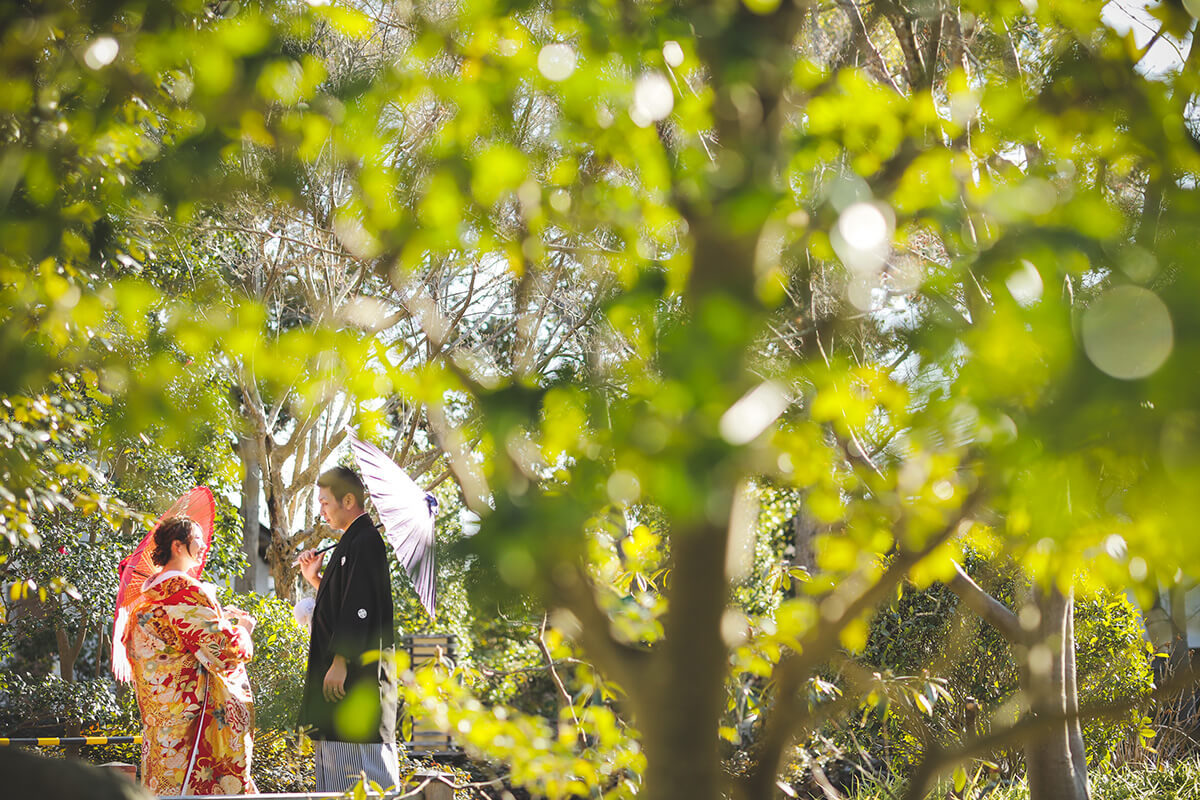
(349, 700)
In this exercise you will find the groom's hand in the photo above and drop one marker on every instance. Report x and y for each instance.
(335, 680)
(310, 564)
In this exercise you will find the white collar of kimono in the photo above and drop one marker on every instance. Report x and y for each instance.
(207, 588)
(154, 580)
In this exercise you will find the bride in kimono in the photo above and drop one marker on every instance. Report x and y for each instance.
(189, 660)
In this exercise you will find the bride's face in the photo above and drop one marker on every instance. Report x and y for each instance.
(196, 543)
(189, 553)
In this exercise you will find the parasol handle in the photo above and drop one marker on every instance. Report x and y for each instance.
(327, 547)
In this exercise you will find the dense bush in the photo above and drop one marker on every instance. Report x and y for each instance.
(1113, 661)
(283, 761)
(926, 640)
(280, 656)
(105, 753)
(51, 706)
(282, 757)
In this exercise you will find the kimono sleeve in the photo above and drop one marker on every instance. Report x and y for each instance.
(218, 643)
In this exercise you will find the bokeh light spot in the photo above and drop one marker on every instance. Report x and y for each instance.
(653, 99)
(863, 226)
(753, 413)
(101, 52)
(1127, 332)
(1025, 284)
(862, 239)
(556, 62)
(672, 53)
(624, 487)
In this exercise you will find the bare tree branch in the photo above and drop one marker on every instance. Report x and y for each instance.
(862, 40)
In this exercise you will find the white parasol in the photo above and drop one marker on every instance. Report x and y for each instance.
(407, 513)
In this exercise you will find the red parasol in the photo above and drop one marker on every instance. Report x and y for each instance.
(137, 567)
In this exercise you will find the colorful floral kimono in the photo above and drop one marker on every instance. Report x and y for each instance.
(189, 671)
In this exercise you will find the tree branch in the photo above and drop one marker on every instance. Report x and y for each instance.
(988, 608)
(918, 76)
(309, 475)
(558, 684)
(862, 39)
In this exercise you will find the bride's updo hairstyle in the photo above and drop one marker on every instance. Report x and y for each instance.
(172, 529)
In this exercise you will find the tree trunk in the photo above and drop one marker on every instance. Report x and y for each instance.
(251, 488)
(279, 554)
(68, 651)
(681, 720)
(804, 534)
(280, 548)
(1177, 654)
(1054, 757)
(66, 660)
(1078, 752)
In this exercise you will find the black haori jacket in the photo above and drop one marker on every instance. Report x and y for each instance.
(353, 618)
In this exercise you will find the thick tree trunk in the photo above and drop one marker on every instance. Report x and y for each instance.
(1078, 752)
(251, 488)
(1054, 758)
(279, 554)
(66, 660)
(681, 718)
(804, 533)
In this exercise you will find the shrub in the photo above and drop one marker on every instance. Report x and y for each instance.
(1113, 662)
(926, 639)
(50, 706)
(1176, 781)
(280, 656)
(283, 762)
(104, 753)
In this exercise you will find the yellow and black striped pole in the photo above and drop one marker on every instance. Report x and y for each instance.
(51, 741)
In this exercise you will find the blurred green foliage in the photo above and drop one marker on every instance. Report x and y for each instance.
(1178, 780)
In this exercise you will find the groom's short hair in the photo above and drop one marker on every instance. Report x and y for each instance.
(341, 481)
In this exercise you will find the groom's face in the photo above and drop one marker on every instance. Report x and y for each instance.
(334, 513)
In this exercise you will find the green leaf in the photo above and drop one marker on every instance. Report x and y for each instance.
(762, 7)
(348, 21)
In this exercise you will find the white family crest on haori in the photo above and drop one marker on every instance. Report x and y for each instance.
(407, 513)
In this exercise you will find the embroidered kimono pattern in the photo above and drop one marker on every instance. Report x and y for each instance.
(189, 672)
